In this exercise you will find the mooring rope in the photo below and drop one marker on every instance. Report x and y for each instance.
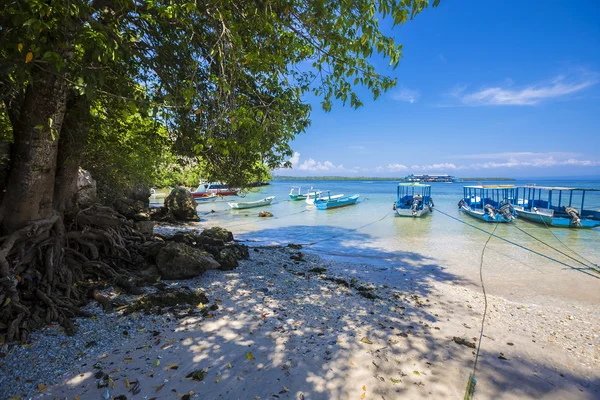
(588, 265)
(472, 381)
(346, 232)
(520, 246)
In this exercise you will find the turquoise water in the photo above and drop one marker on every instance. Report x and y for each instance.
(436, 245)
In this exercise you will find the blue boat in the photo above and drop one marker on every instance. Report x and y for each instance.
(557, 206)
(325, 203)
(413, 200)
(490, 203)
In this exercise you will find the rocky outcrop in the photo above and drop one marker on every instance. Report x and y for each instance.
(218, 233)
(229, 256)
(180, 205)
(265, 214)
(181, 261)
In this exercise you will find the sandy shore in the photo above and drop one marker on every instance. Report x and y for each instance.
(343, 331)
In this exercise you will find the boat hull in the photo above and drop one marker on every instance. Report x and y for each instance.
(326, 204)
(253, 204)
(205, 199)
(407, 212)
(298, 197)
(483, 216)
(556, 221)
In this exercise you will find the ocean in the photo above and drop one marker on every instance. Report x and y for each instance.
(440, 246)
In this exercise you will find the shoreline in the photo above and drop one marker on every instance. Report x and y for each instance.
(291, 326)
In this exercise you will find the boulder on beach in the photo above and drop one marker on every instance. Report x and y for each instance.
(229, 255)
(218, 234)
(181, 205)
(265, 214)
(180, 261)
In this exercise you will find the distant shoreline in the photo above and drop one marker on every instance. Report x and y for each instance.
(366, 178)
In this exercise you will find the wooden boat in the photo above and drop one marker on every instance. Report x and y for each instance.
(206, 189)
(252, 204)
(556, 206)
(413, 200)
(310, 199)
(297, 195)
(490, 203)
(325, 203)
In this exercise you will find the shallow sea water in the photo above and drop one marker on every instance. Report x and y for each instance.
(438, 246)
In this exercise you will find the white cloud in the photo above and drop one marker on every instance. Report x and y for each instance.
(295, 159)
(394, 167)
(526, 96)
(516, 154)
(434, 167)
(407, 95)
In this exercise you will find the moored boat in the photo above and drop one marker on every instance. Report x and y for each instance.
(296, 195)
(557, 206)
(490, 203)
(310, 199)
(325, 203)
(205, 189)
(252, 204)
(413, 200)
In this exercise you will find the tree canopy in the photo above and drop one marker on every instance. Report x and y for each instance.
(226, 79)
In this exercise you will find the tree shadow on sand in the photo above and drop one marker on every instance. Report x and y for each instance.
(285, 330)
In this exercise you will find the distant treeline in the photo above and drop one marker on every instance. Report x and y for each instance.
(366, 178)
(487, 179)
(332, 178)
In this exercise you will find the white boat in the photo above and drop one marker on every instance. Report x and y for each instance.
(252, 204)
(310, 198)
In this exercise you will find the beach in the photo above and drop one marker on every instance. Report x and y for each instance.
(292, 325)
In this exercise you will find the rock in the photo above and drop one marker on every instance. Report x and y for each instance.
(129, 208)
(146, 228)
(210, 241)
(180, 261)
(464, 342)
(294, 246)
(228, 259)
(87, 193)
(265, 214)
(229, 255)
(181, 204)
(184, 237)
(218, 233)
(170, 298)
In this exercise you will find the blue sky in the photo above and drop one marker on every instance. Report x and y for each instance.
(485, 88)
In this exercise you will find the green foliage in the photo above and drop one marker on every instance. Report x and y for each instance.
(225, 79)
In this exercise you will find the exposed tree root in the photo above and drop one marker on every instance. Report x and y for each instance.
(47, 271)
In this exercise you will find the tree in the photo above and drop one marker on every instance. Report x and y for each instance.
(224, 80)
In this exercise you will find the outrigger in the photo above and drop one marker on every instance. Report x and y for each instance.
(556, 206)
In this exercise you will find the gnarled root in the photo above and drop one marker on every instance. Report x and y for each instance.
(45, 269)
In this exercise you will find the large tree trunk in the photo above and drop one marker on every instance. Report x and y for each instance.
(30, 189)
(71, 145)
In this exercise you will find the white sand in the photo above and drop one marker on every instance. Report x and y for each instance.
(280, 334)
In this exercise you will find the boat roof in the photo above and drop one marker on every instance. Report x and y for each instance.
(558, 188)
(412, 184)
(491, 187)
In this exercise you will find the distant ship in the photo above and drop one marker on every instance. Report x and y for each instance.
(431, 178)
